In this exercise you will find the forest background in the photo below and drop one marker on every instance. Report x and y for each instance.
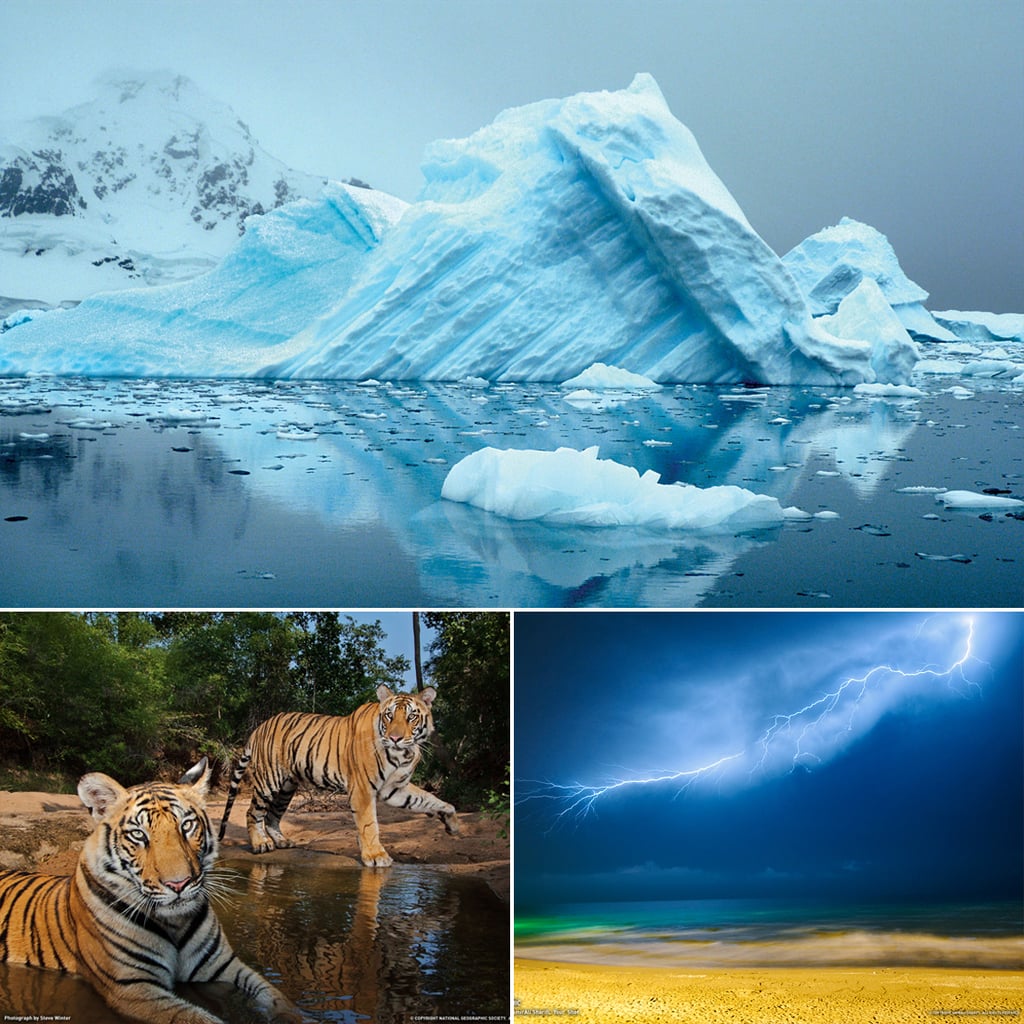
(142, 695)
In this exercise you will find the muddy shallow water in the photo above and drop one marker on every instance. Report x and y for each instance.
(346, 944)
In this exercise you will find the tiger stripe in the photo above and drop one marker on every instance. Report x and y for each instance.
(135, 917)
(372, 753)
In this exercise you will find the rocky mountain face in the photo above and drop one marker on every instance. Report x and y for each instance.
(150, 181)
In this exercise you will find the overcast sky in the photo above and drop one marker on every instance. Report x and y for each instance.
(906, 784)
(906, 114)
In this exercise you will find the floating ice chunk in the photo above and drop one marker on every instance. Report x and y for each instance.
(757, 397)
(943, 558)
(972, 499)
(920, 489)
(947, 367)
(570, 486)
(84, 423)
(826, 514)
(603, 377)
(33, 437)
(888, 391)
(297, 435)
(181, 416)
(958, 392)
(991, 368)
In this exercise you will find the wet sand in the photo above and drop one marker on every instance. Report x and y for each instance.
(597, 994)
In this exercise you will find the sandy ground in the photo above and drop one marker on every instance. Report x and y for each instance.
(784, 995)
(44, 832)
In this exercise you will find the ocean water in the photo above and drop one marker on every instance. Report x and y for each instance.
(122, 493)
(775, 933)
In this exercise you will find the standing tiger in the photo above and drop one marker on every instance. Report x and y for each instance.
(371, 753)
(135, 918)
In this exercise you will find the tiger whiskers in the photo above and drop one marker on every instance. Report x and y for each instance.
(223, 886)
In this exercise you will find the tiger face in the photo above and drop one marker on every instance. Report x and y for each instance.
(404, 720)
(154, 846)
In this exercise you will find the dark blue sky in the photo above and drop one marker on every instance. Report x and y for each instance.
(899, 786)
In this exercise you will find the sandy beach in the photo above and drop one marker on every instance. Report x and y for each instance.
(596, 994)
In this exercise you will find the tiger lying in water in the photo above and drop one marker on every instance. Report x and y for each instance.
(135, 918)
(372, 753)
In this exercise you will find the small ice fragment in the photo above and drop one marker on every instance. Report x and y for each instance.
(297, 435)
(971, 499)
(875, 531)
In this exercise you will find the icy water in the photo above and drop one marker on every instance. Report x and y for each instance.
(766, 933)
(387, 946)
(128, 493)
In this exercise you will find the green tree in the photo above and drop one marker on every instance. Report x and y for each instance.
(341, 662)
(82, 702)
(227, 673)
(470, 666)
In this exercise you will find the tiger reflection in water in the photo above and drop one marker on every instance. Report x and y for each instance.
(363, 955)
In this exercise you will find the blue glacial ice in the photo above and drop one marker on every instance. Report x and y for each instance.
(223, 323)
(564, 233)
(830, 265)
(979, 326)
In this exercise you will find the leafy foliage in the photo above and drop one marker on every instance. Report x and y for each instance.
(140, 695)
(469, 665)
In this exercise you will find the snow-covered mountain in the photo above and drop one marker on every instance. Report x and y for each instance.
(149, 182)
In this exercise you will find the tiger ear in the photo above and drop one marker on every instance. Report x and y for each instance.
(198, 777)
(383, 693)
(427, 695)
(100, 793)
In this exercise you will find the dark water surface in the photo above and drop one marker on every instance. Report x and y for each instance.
(389, 945)
(217, 494)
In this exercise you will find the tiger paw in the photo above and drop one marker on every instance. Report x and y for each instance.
(378, 858)
(451, 822)
(261, 845)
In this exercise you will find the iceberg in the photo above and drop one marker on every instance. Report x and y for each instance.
(223, 323)
(610, 378)
(566, 232)
(570, 231)
(830, 265)
(570, 486)
(975, 326)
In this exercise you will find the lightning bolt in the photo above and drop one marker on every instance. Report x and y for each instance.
(836, 710)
